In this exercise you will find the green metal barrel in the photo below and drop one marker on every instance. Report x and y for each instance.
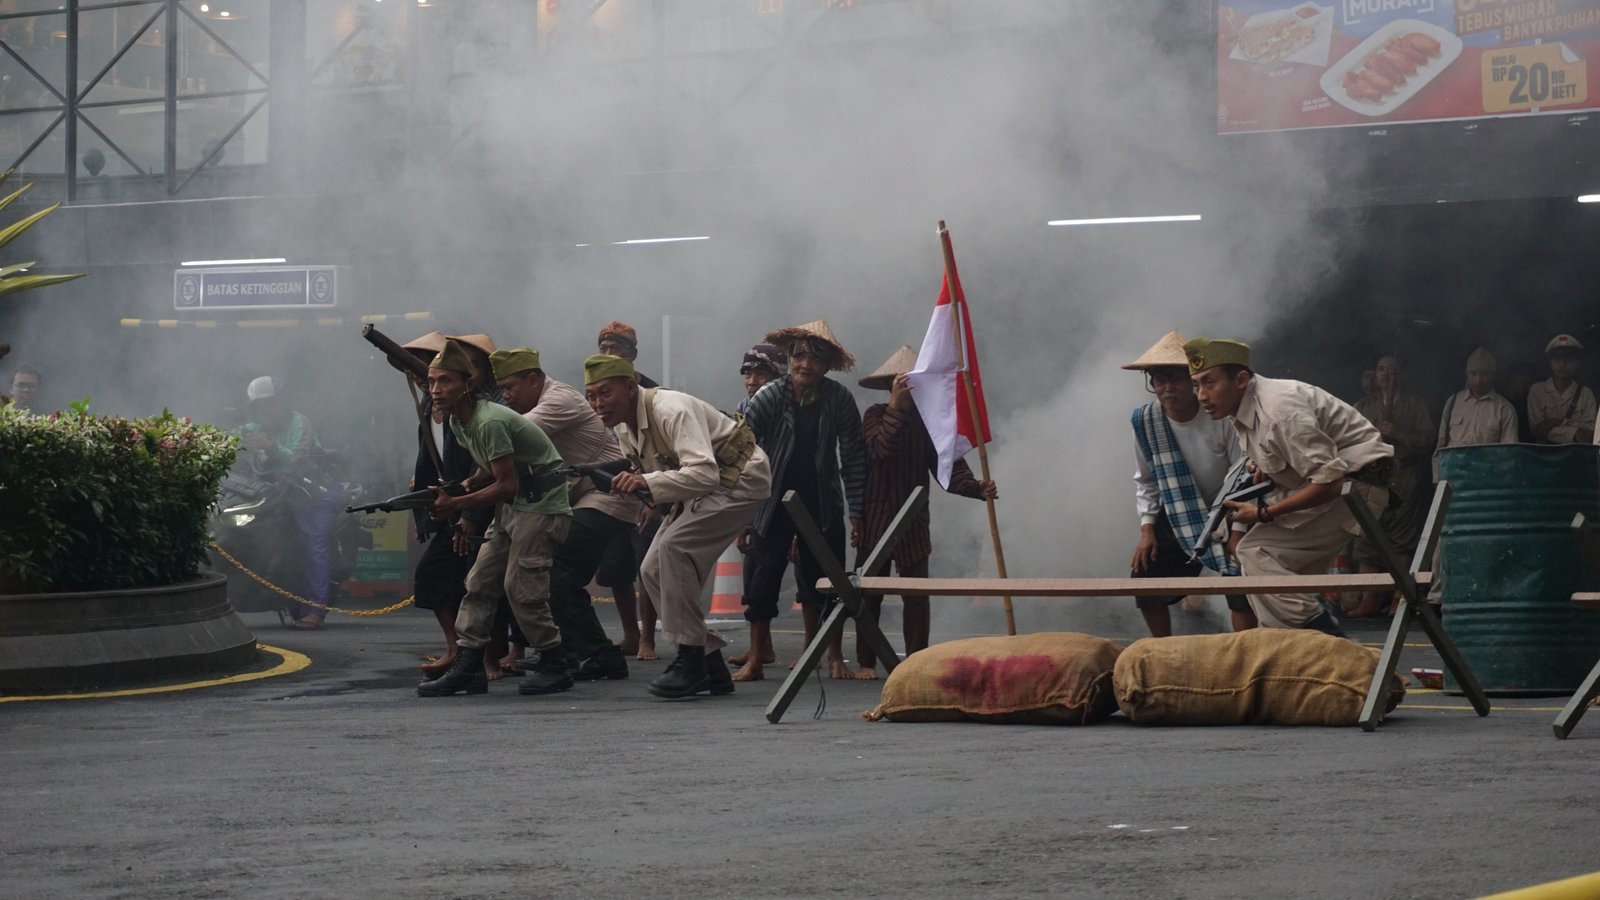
(1510, 564)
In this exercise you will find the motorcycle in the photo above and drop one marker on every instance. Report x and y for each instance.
(254, 523)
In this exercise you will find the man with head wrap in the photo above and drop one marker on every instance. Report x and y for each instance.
(762, 363)
(1307, 442)
(531, 515)
(707, 468)
(598, 517)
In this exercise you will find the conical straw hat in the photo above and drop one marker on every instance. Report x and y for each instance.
(424, 348)
(840, 360)
(1166, 352)
(480, 342)
(903, 361)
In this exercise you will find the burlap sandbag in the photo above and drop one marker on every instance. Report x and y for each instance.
(1263, 676)
(1053, 678)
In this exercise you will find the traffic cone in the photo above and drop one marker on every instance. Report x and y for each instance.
(727, 588)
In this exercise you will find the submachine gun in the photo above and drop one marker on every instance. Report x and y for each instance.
(600, 474)
(1256, 493)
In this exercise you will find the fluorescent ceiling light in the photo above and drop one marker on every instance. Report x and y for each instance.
(1126, 220)
(1589, 198)
(671, 240)
(231, 262)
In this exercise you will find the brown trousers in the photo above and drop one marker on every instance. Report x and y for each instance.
(515, 564)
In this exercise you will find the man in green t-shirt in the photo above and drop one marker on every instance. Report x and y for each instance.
(520, 477)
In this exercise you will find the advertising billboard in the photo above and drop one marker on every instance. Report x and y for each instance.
(1379, 62)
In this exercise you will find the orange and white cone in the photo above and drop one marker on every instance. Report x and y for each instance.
(727, 587)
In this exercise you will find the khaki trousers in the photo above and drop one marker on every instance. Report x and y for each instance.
(1307, 549)
(684, 557)
(514, 563)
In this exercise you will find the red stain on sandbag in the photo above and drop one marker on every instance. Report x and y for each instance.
(996, 682)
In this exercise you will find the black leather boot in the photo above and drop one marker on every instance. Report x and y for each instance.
(549, 674)
(606, 663)
(466, 674)
(685, 675)
(720, 680)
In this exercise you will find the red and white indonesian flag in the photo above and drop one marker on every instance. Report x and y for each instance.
(936, 381)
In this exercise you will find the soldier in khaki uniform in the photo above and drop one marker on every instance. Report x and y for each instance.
(708, 469)
(1307, 442)
(1560, 409)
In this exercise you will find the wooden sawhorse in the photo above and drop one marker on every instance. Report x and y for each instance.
(1589, 547)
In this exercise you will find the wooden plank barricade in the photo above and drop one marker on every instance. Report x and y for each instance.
(1407, 580)
(1589, 548)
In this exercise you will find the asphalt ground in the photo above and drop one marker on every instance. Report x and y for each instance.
(338, 781)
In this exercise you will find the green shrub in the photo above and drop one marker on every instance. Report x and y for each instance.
(99, 503)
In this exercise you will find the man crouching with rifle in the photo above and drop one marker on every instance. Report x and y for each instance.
(708, 468)
(531, 516)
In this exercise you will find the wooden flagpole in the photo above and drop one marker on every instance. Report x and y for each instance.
(957, 301)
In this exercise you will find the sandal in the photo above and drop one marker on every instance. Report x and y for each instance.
(309, 623)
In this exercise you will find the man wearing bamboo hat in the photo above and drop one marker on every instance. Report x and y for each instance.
(1183, 463)
(1560, 409)
(810, 427)
(900, 458)
(525, 488)
(706, 467)
(1307, 442)
(598, 517)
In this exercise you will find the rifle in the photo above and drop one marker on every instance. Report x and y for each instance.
(399, 357)
(415, 500)
(600, 474)
(1244, 495)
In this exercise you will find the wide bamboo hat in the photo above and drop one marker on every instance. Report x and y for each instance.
(1163, 353)
(480, 342)
(903, 361)
(837, 358)
(424, 348)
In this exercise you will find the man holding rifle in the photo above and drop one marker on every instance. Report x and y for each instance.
(598, 517)
(708, 469)
(1182, 463)
(520, 478)
(1307, 442)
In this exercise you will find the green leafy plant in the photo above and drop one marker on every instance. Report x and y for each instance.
(100, 503)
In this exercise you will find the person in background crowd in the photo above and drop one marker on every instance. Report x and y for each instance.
(707, 469)
(598, 517)
(25, 383)
(522, 483)
(1183, 464)
(1307, 442)
(1403, 420)
(619, 567)
(284, 441)
(1476, 414)
(1561, 410)
(900, 458)
(762, 363)
(810, 428)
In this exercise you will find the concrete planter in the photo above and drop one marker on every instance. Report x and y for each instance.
(110, 639)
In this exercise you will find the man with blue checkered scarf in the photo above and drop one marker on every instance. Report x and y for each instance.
(1183, 462)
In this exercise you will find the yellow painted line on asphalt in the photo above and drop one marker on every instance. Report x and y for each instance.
(289, 663)
(1583, 887)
